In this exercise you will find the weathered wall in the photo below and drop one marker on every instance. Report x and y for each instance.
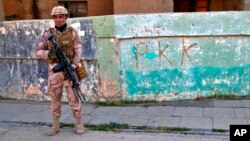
(28, 9)
(100, 7)
(12, 9)
(43, 8)
(142, 6)
(109, 7)
(175, 56)
(138, 57)
(25, 77)
(243, 5)
(229, 5)
(2, 17)
(247, 5)
(222, 5)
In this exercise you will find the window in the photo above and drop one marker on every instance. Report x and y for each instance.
(75, 8)
(191, 5)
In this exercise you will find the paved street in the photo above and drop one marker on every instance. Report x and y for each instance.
(36, 133)
(190, 120)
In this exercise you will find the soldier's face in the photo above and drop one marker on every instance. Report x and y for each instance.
(59, 19)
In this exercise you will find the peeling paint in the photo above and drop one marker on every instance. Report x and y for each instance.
(30, 90)
(26, 75)
(161, 56)
(202, 59)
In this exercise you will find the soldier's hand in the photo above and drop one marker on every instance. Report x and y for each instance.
(42, 54)
(52, 54)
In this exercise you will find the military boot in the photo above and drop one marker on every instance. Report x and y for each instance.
(55, 127)
(79, 128)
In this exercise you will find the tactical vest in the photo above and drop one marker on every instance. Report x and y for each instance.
(65, 40)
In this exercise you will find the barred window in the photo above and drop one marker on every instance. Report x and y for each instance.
(76, 8)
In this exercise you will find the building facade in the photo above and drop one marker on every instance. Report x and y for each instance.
(138, 57)
(38, 9)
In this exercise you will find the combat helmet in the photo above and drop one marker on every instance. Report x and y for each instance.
(59, 10)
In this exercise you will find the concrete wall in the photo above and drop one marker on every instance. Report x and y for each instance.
(138, 57)
(25, 77)
(180, 56)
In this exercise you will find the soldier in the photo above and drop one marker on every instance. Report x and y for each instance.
(69, 40)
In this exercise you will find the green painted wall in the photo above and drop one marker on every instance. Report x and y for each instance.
(180, 55)
(166, 66)
(164, 56)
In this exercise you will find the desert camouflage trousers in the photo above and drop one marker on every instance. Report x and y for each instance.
(56, 83)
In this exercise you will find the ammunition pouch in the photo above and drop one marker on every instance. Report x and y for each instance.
(81, 71)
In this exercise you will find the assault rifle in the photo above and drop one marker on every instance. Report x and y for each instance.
(65, 65)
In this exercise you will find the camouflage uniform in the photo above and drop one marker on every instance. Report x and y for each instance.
(56, 81)
(70, 41)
